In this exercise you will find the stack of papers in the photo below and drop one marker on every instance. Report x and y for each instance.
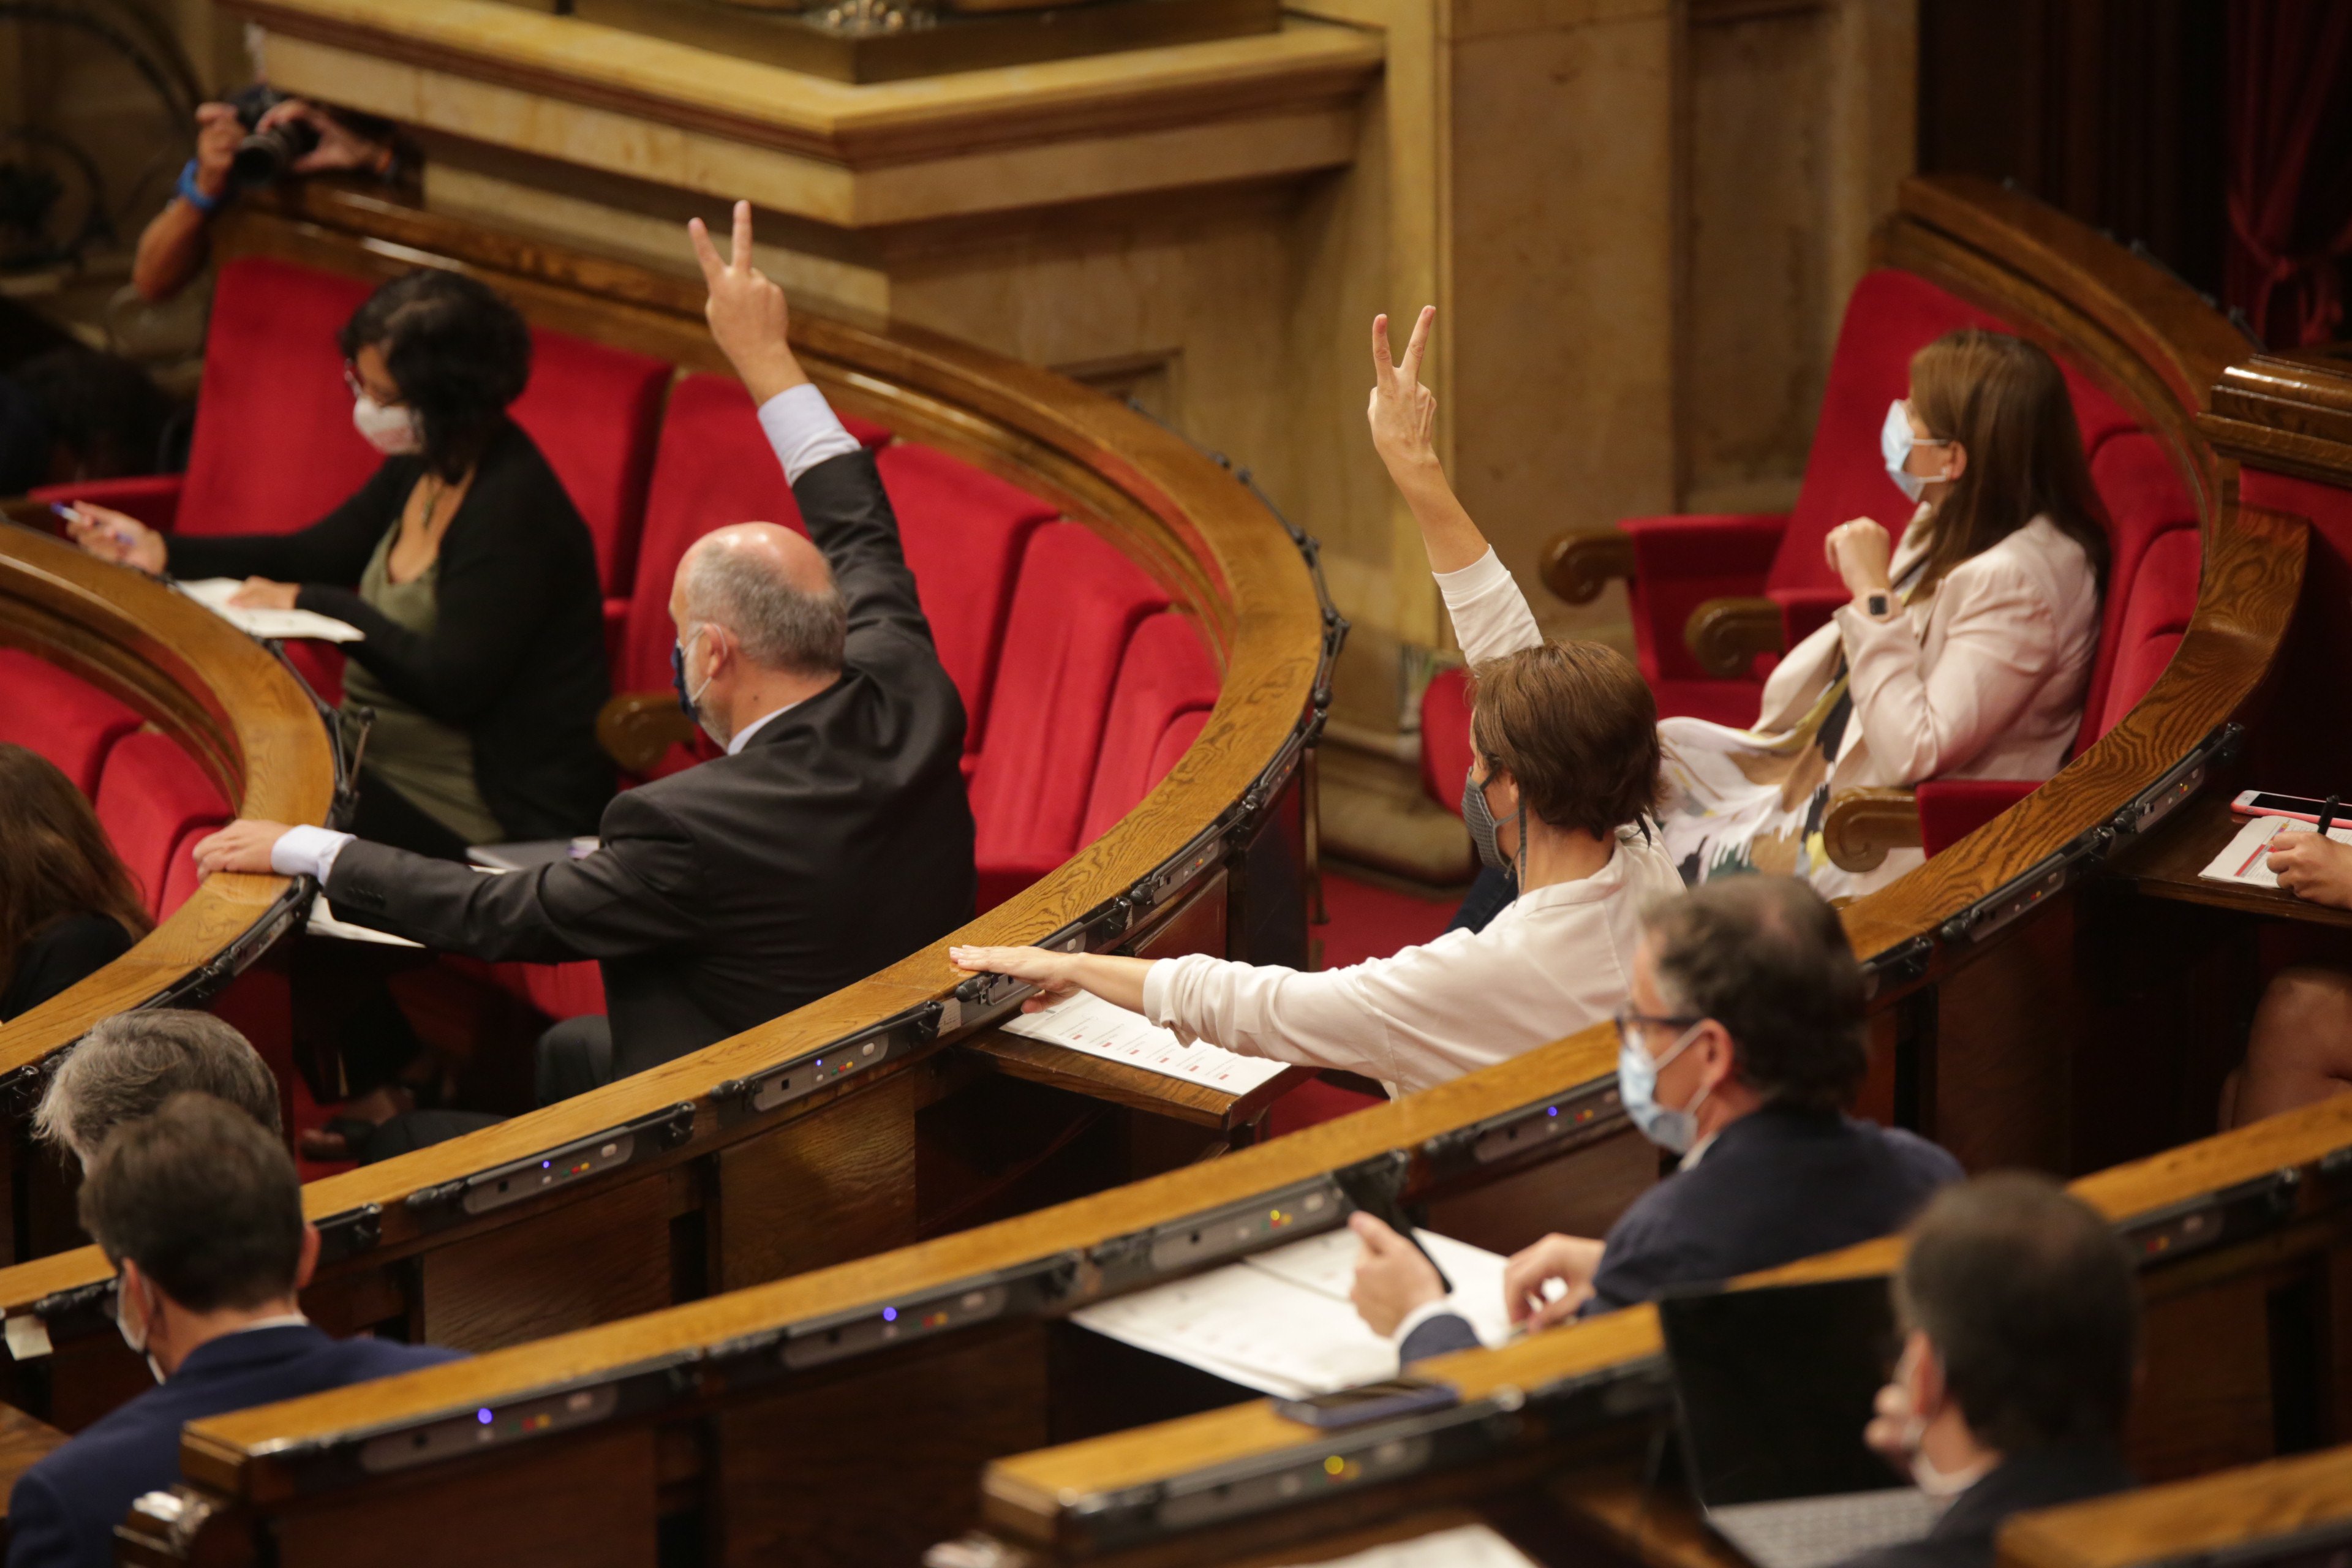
(1088, 1024)
(323, 922)
(2247, 859)
(215, 593)
(1281, 1322)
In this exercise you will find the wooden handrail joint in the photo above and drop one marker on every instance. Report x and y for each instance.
(1577, 565)
(1726, 634)
(1862, 825)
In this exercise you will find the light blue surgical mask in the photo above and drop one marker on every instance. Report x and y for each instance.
(1637, 1090)
(1894, 444)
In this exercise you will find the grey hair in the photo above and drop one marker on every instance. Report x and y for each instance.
(779, 625)
(130, 1064)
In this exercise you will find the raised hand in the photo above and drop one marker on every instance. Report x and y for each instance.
(116, 536)
(749, 318)
(1403, 413)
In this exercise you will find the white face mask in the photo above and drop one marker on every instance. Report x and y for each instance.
(1895, 443)
(135, 1337)
(390, 428)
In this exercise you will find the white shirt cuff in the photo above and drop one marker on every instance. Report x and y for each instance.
(803, 429)
(307, 852)
(1422, 1314)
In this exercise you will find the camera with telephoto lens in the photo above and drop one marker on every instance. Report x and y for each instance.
(264, 156)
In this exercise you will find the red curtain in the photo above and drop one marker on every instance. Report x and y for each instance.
(2290, 175)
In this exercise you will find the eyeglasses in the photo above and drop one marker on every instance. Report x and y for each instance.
(1632, 1022)
(359, 388)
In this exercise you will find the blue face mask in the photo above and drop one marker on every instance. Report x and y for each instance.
(688, 701)
(1637, 1090)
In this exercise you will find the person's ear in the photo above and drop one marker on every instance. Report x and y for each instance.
(1927, 1388)
(1718, 1061)
(308, 1263)
(1956, 462)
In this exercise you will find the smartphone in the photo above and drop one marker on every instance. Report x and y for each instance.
(2298, 808)
(1369, 1402)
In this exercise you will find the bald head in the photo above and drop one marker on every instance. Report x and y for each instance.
(773, 592)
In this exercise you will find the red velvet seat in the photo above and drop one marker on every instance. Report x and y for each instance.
(593, 412)
(154, 802)
(963, 531)
(274, 449)
(68, 721)
(1165, 677)
(1075, 606)
(1446, 751)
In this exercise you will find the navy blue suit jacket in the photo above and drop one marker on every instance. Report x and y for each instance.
(64, 1510)
(1778, 1184)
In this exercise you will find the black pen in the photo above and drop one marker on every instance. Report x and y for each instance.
(2327, 813)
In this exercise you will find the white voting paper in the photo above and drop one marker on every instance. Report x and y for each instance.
(1281, 1322)
(323, 922)
(1093, 1026)
(2247, 859)
(213, 594)
(1464, 1546)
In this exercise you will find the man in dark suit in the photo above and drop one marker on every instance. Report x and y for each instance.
(2020, 1314)
(832, 840)
(1743, 1040)
(201, 1213)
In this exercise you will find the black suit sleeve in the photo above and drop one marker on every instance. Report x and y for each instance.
(40, 1535)
(639, 893)
(335, 549)
(848, 515)
(492, 600)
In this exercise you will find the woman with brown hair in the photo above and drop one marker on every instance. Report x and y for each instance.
(1566, 736)
(68, 905)
(1965, 653)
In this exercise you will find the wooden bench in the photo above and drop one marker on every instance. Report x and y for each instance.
(2240, 1237)
(2289, 1511)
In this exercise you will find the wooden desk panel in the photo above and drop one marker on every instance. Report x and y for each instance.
(2167, 867)
(2284, 1502)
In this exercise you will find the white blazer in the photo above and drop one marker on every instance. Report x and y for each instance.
(1982, 678)
(1557, 960)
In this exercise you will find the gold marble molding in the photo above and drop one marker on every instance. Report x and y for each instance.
(1270, 106)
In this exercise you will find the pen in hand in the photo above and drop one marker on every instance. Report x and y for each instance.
(2327, 813)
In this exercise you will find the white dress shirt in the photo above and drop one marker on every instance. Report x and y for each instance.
(1559, 959)
(802, 430)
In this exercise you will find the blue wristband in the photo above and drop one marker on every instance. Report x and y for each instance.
(194, 198)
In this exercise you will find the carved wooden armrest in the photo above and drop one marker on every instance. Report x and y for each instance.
(1862, 825)
(1577, 565)
(1726, 634)
(637, 727)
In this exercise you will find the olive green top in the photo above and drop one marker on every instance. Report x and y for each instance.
(426, 760)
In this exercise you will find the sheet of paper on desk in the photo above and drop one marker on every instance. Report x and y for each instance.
(1089, 1024)
(2247, 859)
(1464, 1546)
(1281, 1322)
(213, 594)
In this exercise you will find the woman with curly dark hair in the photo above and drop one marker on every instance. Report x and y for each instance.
(68, 906)
(463, 563)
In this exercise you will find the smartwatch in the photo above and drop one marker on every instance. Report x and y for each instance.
(1877, 604)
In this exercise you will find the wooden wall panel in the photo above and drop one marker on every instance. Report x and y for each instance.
(831, 1187)
(585, 1264)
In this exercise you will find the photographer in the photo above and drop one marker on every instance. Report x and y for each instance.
(253, 139)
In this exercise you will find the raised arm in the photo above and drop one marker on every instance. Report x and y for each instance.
(841, 495)
(1490, 614)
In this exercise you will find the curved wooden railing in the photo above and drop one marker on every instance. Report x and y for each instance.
(229, 703)
(1973, 1009)
(1214, 845)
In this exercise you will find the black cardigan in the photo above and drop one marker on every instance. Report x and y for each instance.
(64, 953)
(517, 654)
